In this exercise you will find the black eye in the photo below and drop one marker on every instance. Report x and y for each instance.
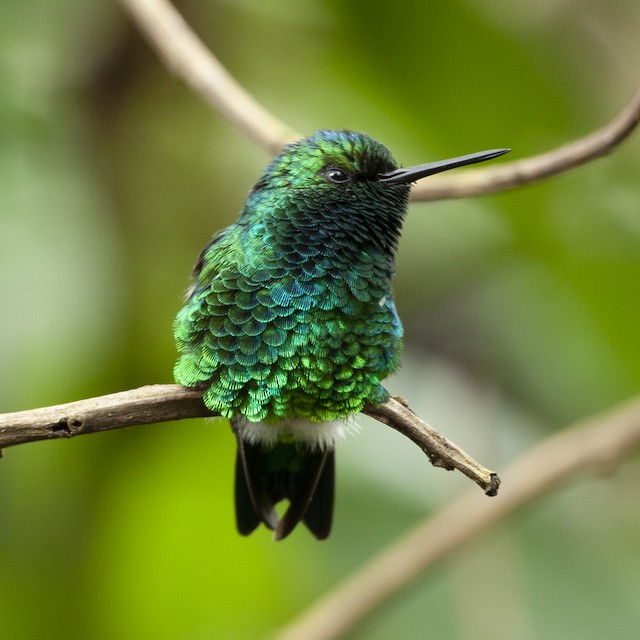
(336, 175)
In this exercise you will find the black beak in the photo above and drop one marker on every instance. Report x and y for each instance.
(411, 174)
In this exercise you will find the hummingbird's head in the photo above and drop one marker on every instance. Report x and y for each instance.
(330, 180)
(346, 181)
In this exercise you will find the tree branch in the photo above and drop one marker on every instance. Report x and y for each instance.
(395, 413)
(595, 445)
(164, 402)
(475, 182)
(146, 405)
(186, 55)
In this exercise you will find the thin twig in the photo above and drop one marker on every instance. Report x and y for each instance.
(164, 402)
(597, 444)
(186, 55)
(443, 453)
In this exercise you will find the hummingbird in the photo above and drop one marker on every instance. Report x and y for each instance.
(290, 324)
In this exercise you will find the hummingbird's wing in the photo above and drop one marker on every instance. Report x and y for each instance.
(206, 265)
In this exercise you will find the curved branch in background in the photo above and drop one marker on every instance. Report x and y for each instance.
(475, 182)
(597, 444)
(164, 402)
(186, 55)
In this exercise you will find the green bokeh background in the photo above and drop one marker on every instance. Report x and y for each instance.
(521, 312)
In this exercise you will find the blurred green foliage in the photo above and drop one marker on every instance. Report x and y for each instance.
(521, 312)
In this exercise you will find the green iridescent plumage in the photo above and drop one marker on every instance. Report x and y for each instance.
(291, 314)
(290, 325)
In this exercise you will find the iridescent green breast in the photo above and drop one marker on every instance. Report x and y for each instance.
(280, 327)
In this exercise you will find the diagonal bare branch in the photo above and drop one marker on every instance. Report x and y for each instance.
(595, 445)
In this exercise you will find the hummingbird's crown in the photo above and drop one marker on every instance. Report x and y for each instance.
(305, 162)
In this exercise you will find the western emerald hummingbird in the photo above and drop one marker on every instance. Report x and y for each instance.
(290, 326)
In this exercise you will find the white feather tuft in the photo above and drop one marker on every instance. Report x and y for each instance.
(316, 435)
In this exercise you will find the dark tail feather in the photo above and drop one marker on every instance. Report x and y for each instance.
(319, 514)
(311, 496)
(266, 476)
(246, 517)
(253, 503)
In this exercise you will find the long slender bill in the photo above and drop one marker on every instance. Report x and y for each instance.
(411, 174)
